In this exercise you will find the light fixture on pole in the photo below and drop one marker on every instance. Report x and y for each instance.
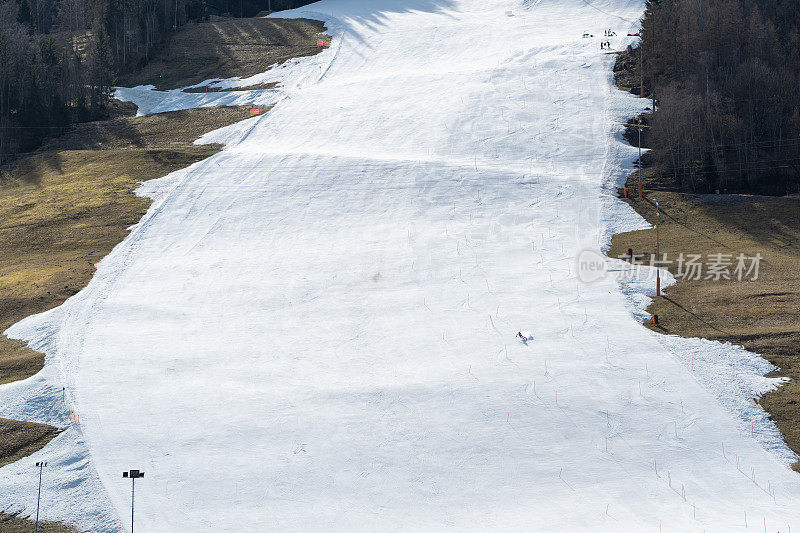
(641, 95)
(134, 475)
(658, 257)
(41, 465)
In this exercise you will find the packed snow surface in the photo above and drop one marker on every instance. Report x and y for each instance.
(315, 329)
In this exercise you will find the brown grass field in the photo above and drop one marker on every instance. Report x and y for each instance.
(225, 48)
(64, 208)
(760, 315)
(20, 439)
(21, 523)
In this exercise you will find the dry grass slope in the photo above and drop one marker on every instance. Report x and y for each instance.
(20, 439)
(65, 208)
(226, 48)
(18, 523)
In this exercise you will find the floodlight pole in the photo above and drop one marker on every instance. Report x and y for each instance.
(658, 256)
(641, 95)
(41, 465)
(133, 474)
(639, 169)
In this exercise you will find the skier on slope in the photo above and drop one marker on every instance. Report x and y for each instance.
(522, 337)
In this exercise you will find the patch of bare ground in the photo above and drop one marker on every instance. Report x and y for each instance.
(65, 207)
(20, 439)
(226, 48)
(762, 314)
(626, 73)
(255, 87)
(16, 522)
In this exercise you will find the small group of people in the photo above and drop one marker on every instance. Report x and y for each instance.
(606, 45)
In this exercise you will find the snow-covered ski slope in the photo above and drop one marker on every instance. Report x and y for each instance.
(314, 330)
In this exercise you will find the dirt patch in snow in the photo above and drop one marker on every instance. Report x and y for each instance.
(20, 523)
(254, 87)
(226, 48)
(20, 439)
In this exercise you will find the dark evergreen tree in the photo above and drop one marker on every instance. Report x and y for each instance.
(726, 74)
(24, 15)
